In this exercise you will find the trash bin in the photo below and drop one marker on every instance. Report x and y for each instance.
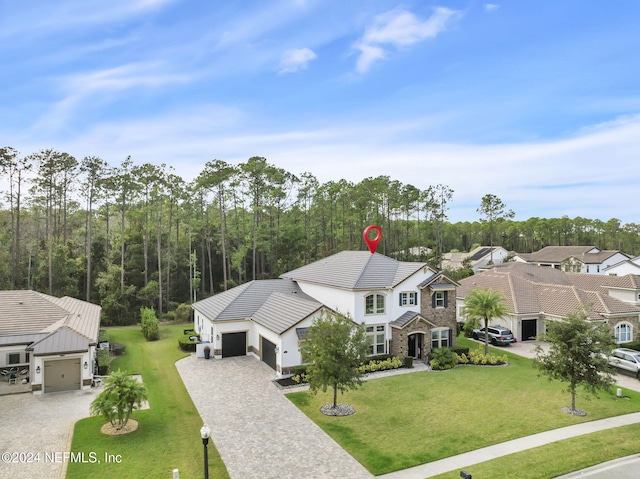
(207, 352)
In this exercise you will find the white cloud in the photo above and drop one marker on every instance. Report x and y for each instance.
(294, 60)
(399, 28)
(489, 7)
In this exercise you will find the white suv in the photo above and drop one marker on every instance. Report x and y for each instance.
(626, 359)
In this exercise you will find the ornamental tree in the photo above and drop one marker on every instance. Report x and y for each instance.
(485, 304)
(121, 395)
(577, 355)
(335, 347)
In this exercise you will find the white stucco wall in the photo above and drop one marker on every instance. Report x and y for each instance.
(337, 299)
(4, 356)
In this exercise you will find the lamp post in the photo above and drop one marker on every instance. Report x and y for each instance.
(205, 432)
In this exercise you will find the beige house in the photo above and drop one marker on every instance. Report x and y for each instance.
(49, 342)
(536, 294)
(574, 259)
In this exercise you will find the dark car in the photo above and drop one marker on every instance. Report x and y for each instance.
(498, 335)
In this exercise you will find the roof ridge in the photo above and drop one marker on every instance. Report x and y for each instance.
(516, 309)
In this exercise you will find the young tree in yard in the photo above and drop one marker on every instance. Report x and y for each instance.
(485, 304)
(577, 355)
(335, 346)
(121, 395)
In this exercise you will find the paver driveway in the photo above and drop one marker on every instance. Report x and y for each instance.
(258, 432)
(39, 424)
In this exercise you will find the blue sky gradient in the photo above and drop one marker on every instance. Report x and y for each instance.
(537, 102)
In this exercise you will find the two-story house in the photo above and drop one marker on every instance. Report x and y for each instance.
(574, 259)
(407, 308)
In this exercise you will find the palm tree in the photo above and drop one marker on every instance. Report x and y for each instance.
(485, 304)
(121, 395)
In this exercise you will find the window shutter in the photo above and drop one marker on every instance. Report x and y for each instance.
(400, 299)
(446, 294)
(433, 300)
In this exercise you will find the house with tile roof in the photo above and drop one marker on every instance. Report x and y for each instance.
(51, 341)
(408, 308)
(478, 258)
(535, 295)
(574, 259)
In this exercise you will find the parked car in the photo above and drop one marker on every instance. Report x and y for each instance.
(628, 360)
(497, 335)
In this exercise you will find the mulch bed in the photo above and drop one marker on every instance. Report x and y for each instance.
(109, 430)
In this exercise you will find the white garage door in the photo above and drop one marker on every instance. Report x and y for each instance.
(62, 375)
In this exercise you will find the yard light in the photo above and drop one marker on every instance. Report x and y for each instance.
(465, 475)
(205, 432)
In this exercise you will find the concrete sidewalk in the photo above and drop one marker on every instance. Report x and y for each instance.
(509, 447)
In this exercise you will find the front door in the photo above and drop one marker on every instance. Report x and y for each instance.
(415, 345)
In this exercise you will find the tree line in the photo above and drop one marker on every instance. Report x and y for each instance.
(128, 235)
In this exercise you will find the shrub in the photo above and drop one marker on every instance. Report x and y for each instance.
(103, 337)
(103, 362)
(380, 365)
(149, 324)
(478, 358)
(186, 344)
(460, 350)
(183, 313)
(632, 345)
(443, 358)
(169, 316)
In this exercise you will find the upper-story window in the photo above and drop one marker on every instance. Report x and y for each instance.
(439, 299)
(409, 298)
(374, 304)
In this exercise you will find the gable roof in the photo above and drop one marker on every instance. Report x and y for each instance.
(557, 254)
(61, 341)
(531, 289)
(356, 270)
(276, 304)
(407, 318)
(25, 312)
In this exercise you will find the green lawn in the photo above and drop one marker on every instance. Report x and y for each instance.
(169, 432)
(562, 457)
(406, 420)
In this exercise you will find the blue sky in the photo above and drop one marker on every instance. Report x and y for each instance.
(537, 102)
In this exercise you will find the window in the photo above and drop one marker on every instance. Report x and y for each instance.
(408, 299)
(14, 358)
(374, 304)
(439, 299)
(624, 332)
(440, 338)
(375, 336)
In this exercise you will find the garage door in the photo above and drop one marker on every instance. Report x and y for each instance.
(268, 350)
(529, 329)
(234, 344)
(62, 375)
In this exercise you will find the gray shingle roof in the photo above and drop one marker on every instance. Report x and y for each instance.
(276, 304)
(356, 270)
(406, 318)
(281, 312)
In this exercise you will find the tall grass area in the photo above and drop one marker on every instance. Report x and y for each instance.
(168, 436)
(405, 420)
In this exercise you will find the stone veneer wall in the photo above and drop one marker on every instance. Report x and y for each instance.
(632, 319)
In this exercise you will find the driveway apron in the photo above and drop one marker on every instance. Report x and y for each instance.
(38, 431)
(258, 432)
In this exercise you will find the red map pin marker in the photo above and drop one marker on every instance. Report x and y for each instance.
(372, 243)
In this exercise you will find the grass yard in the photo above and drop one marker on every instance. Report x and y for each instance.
(405, 420)
(169, 432)
(558, 458)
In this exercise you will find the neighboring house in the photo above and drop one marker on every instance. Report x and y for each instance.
(537, 294)
(478, 258)
(629, 266)
(52, 339)
(574, 259)
(408, 308)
